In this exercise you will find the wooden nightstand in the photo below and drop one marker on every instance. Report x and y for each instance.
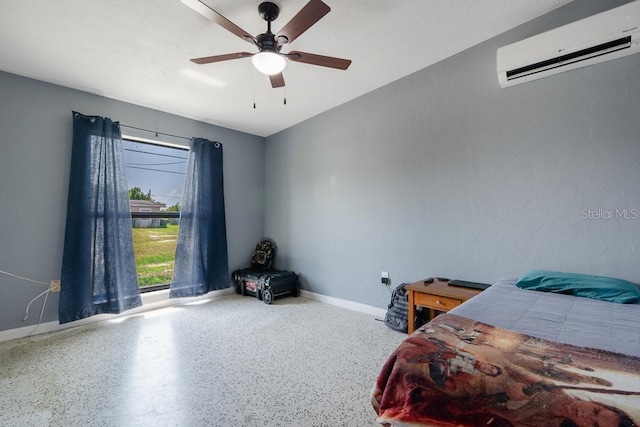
(435, 296)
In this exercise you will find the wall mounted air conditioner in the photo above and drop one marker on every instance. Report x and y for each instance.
(607, 35)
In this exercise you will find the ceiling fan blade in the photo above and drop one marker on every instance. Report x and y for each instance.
(277, 80)
(220, 58)
(207, 12)
(323, 61)
(308, 15)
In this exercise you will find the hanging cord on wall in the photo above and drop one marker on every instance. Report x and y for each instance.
(24, 278)
(44, 304)
(46, 294)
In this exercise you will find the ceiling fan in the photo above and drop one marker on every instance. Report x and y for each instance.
(269, 60)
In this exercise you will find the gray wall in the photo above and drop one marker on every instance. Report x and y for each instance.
(443, 173)
(35, 154)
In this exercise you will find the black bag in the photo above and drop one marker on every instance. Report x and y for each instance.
(397, 317)
(263, 255)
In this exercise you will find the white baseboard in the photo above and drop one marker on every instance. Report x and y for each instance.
(355, 306)
(160, 299)
(150, 301)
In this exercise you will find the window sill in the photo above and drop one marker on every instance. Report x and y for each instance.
(154, 296)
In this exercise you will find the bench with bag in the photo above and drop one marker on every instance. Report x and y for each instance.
(261, 279)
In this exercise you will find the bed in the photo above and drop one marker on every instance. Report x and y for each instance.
(516, 357)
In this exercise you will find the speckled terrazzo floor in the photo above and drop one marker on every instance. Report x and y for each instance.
(232, 361)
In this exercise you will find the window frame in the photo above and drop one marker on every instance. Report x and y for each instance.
(151, 215)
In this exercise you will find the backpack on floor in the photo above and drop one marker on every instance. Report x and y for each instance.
(263, 255)
(397, 317)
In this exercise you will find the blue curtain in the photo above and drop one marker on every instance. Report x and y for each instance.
(98, 265)
(201, 253)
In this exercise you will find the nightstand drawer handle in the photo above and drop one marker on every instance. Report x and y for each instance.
(438, 302)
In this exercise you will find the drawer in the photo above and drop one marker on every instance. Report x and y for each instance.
(435, 301)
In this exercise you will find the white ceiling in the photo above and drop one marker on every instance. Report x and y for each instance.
(138, 51)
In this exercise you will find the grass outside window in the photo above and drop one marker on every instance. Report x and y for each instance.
(155, 250)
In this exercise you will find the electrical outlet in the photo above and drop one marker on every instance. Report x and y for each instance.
(55, 286)
(385, 278)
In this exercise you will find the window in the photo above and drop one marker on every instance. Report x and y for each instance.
(155, 178)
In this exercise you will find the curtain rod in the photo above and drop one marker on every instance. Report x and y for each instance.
(137, 128)
(155, 132)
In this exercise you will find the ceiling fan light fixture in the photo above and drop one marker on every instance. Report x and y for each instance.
(269, 63)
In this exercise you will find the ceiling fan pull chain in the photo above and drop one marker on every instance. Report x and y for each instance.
(285, 95)
(254, 88)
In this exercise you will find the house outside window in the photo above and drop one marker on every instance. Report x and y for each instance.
(146, 206)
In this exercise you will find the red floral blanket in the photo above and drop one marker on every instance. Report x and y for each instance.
(455, 371)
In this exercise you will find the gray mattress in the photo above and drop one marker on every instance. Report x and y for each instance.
(564, 318)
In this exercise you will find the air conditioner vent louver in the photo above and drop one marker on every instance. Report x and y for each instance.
(599, 38)
(581, 55)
